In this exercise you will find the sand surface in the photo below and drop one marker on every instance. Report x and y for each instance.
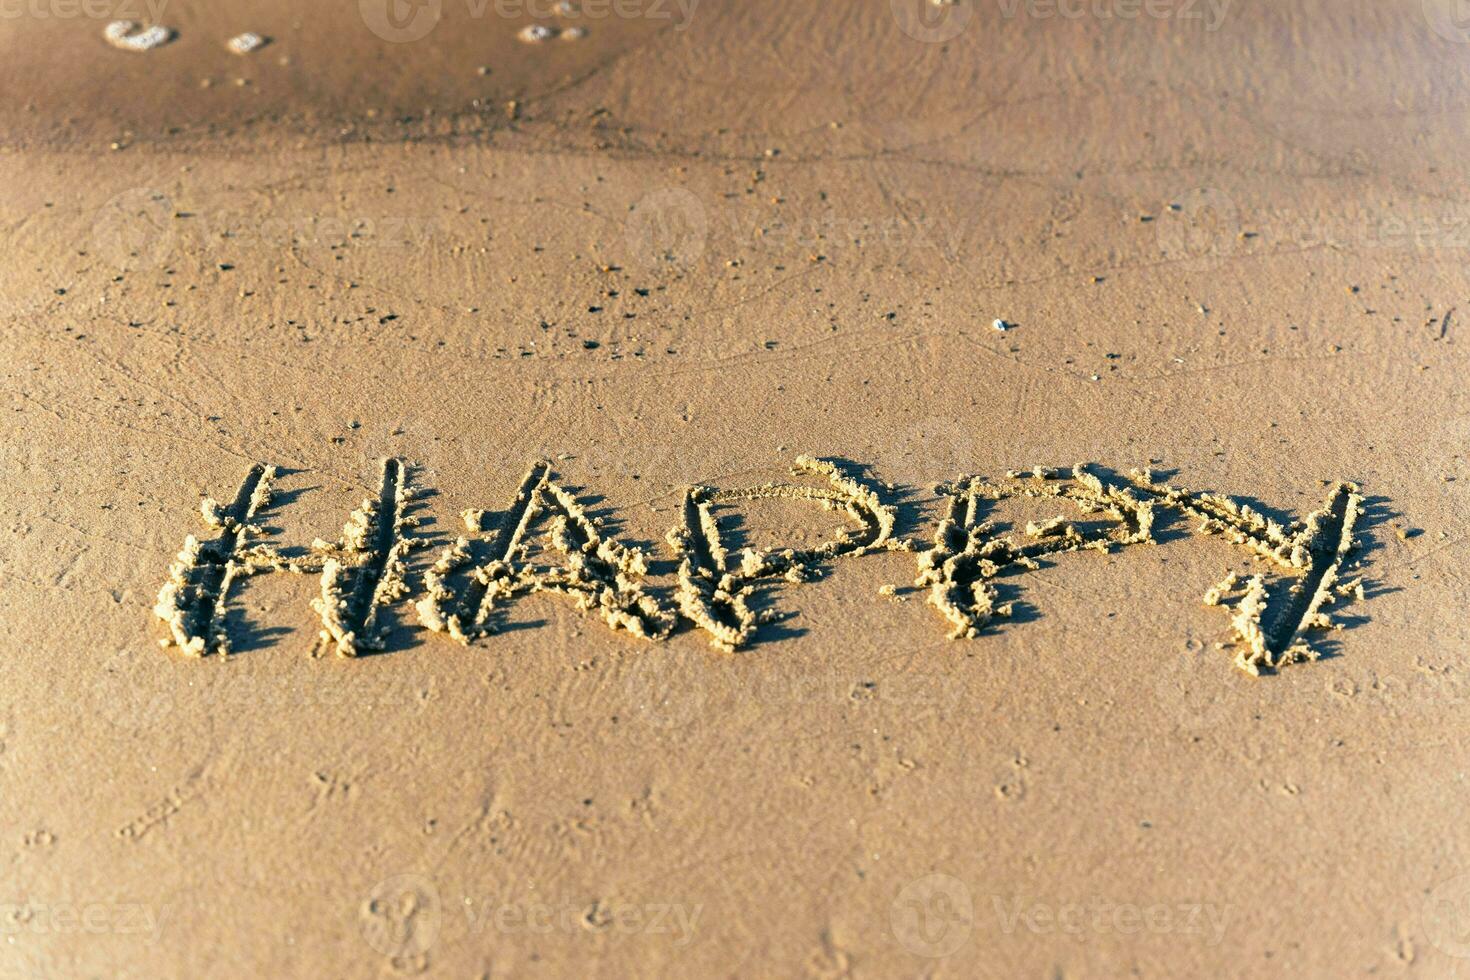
(1227, 245)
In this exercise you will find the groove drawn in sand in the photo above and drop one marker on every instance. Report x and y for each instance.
(192, 786)
(969, 553)
(365, 570)
(599, 574)
(480, 575)
(713, 592)
(193, 600)
(1273, 631)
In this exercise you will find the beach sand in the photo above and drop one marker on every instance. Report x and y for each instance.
(1225, 242)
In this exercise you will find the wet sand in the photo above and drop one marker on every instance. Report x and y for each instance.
(1226, 250)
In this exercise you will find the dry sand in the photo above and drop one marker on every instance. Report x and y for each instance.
(1226, 243)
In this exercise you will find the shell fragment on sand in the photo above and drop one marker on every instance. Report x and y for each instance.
(538, 33)
(126, 35)
(246, 43)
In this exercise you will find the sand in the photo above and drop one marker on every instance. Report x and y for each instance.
(845, 633)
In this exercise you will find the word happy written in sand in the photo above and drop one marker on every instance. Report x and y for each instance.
(471, 583)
